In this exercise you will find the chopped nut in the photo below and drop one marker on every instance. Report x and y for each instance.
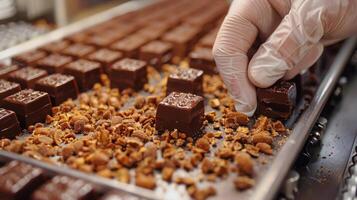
(214, 103)
(123, 175)
(185, 180)
(235, 119)
(167, 173)
(202, 194)
(243, 183)
(265, 148)
(279, 127)
(244, 163)
(263, 137)
(207, 166)
(139, 102)
(203, 144)
(99, 158)
(145, 181)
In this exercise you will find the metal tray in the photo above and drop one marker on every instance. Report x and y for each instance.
(269, 176)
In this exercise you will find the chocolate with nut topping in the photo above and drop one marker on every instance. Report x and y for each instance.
(181, 111)
(9, 125)
(8, 88)
(28, 58)
(78, 50)
(5, 70)
(130, 46)
(54, 63)
(106, 57)
(185, 80)
(202, 58)
(27, 76)
(156, 53)
(56, 47)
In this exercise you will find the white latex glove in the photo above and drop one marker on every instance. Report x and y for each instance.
(294, 31)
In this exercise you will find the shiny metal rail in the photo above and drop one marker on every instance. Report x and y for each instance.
(268, 187)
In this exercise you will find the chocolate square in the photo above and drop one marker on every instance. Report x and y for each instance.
(5, 70)
(30, 106)
(128, 73)
(78, 37)
(104, 39)
(156, 53)
(106, 57)
(54, 63)
(186, 80)
(63, 188)
(8, 88)
(60, 87)
(86, 73)
(130, 46)
(56, 47)
(28, 58)
(9, 125)
(181, 111)
(27, 76)
(18, 180)
(202, 58)
(78, 50)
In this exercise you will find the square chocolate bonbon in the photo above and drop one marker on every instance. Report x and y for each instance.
(78, 50)
(106, 57)
(202, 58)
(186, 80)
(60, 87)
(56, 47)
(8, 88)
(28, 58)
(128, 73)
(30, 106)
(27, 76)
(86, 73)
(19, 180)
(156, 53)
(5, 70)
(64, 188)
(181, 111)
(130, 46)
(277, 101)
(9, 125)
(54, 63)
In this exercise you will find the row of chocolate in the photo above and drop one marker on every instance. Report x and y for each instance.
(20, 181)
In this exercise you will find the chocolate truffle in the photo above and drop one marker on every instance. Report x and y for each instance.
(28, 58)
(64, 188)
(78, 50)
(8, 88)
(202, 58)
(5, 70)
(130, 46)
(186, 80)
(156, 53)
(128, 73)
(86, 73)
(9, 125)
(181, 111)
(105, 57)
(30, 106)
(27, 76)
(56, 47)
(54, 63)
(60, 87)
(18, 180)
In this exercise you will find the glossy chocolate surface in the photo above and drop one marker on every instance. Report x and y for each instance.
(78, 50)
(54, 63)
(56, 47)
(106, 57)
(28, 58)
(186, 80)
(202, 58)
(8, 88)
(5, 70)
(9, 125)
(156, 53)
(130, 46)
(27, 76)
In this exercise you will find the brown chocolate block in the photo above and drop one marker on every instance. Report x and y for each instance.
(130, 46)
(105, 57)
(64, 188)
(78, 37)
(9, 125)
(28, 58)
(181, 111)
(60, 87)
(78, 50)
(153, 31)
(156, 53)
(56, 47)
(5, 70)
(18, 180)
(186, 80)
(8, 88)
(27, 76)
(128, 73)
(104, 39)
(54, 63)
(30, 106)
(202, 58)
(86, 73)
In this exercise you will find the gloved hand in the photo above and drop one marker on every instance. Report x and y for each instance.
(295, 33)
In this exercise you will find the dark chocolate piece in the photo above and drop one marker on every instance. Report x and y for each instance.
(78, 50)
(106, 57)
(181, 111)
(86, 72)
(30, 106)
(130, 46)
(78, 37)
(8, 88)
(9, 125)
(5, 70)
(104, 39)
(277, 101)
(153, 31)
(54, 63)
(64, 188)
(28, 58)
(156, 53)
(202, 58)
(128, 73)
(27, 76)
(18, 180)
(186, 80)
(56, 47)
(59, 87)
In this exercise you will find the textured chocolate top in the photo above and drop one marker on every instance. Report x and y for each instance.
(7, 69)
(26, 96)
(281, 87)
(189, 74)
(202, 53)
(105, 55)
(28, 73)
(181, 100)
(156, 47)
(5, 113)
(129, 43)
(6, 85)
(129, 64)
(55, 80)
(78, 49)
(83, 65)
(55, 60)
(31, 56)
(56, 46)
